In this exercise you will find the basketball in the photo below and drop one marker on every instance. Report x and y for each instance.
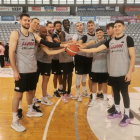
(72, 50)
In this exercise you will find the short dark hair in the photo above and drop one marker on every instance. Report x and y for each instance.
(109, 25)
(57, 22)
(119, 21)
(35, 18)
(65, 20)
(48, 22)
(90, 21)
(0, 43)
(24, 14)
(99, 29)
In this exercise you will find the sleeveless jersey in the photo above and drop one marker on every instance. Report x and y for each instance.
(64, 57)
(25, 53)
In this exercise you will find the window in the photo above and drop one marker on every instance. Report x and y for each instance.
(104, 1)
(6, 1)
(79, 1)
(130, 1)
(62, 2)
(21, 1)
(70, 1)
(137, 1)
(46, 1)
(120, 1)
(30, 1)
(112, 1)
(14, 1)
(54, 1)
(95, 1)
(0, 2)
(87, 1)
(38, 1)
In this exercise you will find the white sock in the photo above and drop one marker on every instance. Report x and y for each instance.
(94, 96)
(44, 98)
(60, 87)
(78, 91)
(20, 104)
(99, 91)
(117, 108)
(105, 96)
(55, 89)
(15, 117)
(30, 108)
(84, 88)
(127, 111)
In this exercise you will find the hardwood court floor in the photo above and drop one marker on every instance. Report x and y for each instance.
(62, 124)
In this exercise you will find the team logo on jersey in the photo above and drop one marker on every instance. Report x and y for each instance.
(32, 39)
(46, 73)
(76, 71)
(17, 88)
(122, 42)
(61, 70)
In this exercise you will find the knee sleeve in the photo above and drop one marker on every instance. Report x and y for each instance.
(78, 79)
(84, 77)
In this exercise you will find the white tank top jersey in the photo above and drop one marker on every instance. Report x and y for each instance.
(64, 57)
(25, 53)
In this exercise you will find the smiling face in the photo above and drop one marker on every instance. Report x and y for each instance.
(50, 28)
(79, 27)
(35, 24)
(100, 34)
(66, 24)
(58, 27)
(91, 27)
(118, 28)
(25, 22)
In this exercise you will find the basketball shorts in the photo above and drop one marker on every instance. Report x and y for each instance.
(66, 68)
(27, 82)
(99, 77)
(89, 65)
(56, 67)
(80, 65)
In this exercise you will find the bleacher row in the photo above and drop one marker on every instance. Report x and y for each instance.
(78, 13)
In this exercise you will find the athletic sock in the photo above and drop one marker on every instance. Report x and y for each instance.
(105, 96)
(94, 96)
(78, 91)
(84, 88)
(30, 108)
(55, 89)
(44, 98)
(99, 91)
(127, 111)
(15, 117)
(60, 87)
(117, 108)
(20, 104)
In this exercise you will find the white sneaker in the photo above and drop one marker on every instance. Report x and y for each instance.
(48, 95)
(34, 113)
(46, 102)
(93, 102)
(17, 126)
(79, 98)
(36, 105)
(85, 94)
(105, 102)
(37, 100)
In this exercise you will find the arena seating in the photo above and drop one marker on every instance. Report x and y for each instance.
(132, 13)
(6, 13)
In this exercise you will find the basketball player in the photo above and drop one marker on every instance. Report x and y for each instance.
(99, 70)
(121, 48)
(55, 61)
(66, 63)
(22, 51)
(80, 62)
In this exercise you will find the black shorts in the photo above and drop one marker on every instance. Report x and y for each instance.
(80, 65)
(56, 67)
(118, 80)
(99, 77)
(89, 65)
(27, 82)
(44, 68)
(66, 67)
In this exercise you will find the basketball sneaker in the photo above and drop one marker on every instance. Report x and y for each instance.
(48, 95)
(34, 113)
(91, 101)
(64, 98)
(114, 115)
(100, 96)
(131, 116)
(105, 102)
(17, 126)
(71, 96)
(85, 94)
(111, 109)
(46, 102)
(20, 115)
(79, 98)
(56, 94)
(36, 105)
(37, 100)
(35, 108)
(125, 121)
(60, 91)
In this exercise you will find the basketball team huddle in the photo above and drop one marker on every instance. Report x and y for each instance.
(106, 62)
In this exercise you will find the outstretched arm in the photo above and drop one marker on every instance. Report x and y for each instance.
(12, 48)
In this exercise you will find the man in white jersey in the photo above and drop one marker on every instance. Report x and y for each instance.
(22, 50)
(80, 62)
(66, 63)
(121, 49)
